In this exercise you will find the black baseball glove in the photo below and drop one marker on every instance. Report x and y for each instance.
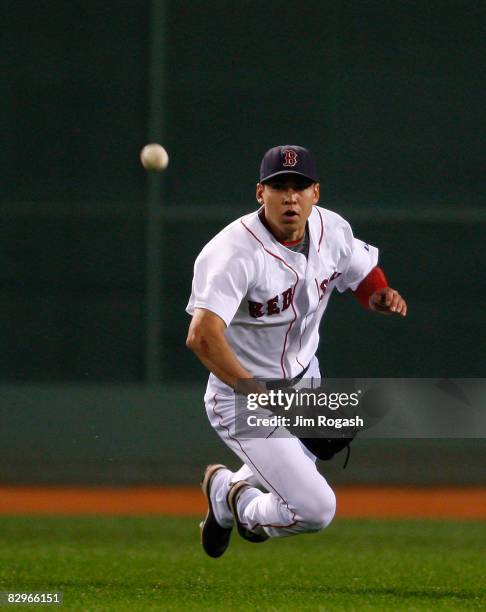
(326, 448)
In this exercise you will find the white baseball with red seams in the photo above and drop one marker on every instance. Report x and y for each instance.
(272, 300)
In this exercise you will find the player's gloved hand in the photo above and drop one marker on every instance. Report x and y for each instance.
(325, 448)
(388, 301)
(322, 447)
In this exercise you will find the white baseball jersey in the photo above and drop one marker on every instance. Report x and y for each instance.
(272, 298)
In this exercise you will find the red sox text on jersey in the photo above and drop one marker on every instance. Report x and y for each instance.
(280, 303)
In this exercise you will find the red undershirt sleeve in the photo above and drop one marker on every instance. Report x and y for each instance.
(375, 280)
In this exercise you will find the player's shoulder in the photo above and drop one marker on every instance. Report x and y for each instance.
(329, 218)
(331, 226)
(233, 238)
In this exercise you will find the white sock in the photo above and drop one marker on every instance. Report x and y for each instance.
(244, 499)
(219, 491)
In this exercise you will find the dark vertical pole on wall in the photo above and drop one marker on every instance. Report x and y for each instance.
(336, 97)
(154, 364)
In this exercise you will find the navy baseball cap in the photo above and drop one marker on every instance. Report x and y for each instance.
(288, 159)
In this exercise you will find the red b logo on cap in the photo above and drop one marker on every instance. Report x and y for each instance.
(290, 158)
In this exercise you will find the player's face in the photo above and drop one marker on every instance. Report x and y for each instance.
(288, 200)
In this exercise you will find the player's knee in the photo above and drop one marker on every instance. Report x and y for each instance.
(319, 509)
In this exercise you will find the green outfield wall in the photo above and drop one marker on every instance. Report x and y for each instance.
(388, 94)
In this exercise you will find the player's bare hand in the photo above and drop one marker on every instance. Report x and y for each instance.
(388, 301)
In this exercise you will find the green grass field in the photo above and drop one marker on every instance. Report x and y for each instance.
(157, 564)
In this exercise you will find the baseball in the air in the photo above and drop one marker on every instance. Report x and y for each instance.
(154, 157)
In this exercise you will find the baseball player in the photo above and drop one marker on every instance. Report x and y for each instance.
(260, 289)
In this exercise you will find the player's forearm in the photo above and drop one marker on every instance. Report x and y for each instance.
(374, 293)
(218, 357)
(375, 281)
(227, 371)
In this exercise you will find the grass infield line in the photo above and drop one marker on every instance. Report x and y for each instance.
(380, 502)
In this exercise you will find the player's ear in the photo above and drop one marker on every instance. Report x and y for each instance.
(259, 193)
(317, 192)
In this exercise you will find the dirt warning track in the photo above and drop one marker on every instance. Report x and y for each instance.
(353, 502)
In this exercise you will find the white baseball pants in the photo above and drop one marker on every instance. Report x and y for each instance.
(297, 498)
